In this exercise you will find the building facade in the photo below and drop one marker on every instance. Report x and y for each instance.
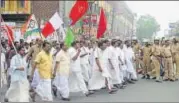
(43, 10)
(120, 19)
(123, 24)
(15, 13)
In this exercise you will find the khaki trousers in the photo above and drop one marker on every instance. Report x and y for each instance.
(168, 65)
(156, 65)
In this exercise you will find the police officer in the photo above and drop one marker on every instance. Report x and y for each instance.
(168, 63)
(146, 59)
(156, 57)
(175, 56)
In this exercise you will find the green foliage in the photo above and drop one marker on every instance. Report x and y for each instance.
(147, 26)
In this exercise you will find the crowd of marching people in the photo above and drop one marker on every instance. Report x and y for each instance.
(49, 69)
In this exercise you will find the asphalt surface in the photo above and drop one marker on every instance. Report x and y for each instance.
(141, 91)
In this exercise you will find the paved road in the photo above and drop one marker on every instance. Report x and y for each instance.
(142, 91)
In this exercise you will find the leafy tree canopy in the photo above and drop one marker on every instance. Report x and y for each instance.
(147, 26)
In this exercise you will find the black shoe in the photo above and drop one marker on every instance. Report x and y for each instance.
(121, 87)
(6, 100)
(162, 74)
(143, 77)
(89, 93)
(103, 88)
(148, 76)
(124, 83)
(54, 92)
(134, 79)
(65, 99)
(166, 80)
(154, 78)
(32, 95)
(116, 86)
(158, 81)
(131, 82)
(112, 91)
(86, 83)
(172, 80)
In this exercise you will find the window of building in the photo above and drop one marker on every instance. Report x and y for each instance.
(21, 3)
(2, 3)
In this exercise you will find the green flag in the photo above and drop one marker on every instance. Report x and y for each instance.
(69, 37)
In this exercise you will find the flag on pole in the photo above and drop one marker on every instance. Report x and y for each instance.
(7, 31)
(102, 25)
(62, 32)
(69, 37)
(53, 24)
(9, 34)
(78, 10)
(31, 30)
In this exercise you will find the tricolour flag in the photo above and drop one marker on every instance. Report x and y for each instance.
(53, 24)
(31, 30)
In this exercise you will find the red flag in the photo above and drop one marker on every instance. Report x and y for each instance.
(102, 25)
(9, 34)
(8, 31)
(78, 10)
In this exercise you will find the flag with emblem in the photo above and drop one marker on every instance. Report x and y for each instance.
(30, 30)
(78, 10)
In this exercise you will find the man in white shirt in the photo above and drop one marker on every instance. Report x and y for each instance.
(114, 59)
(129, 55)
(19, 87)
(101, 75)
(76, 81)
(61, 72)
(122, 62)
(84, 60)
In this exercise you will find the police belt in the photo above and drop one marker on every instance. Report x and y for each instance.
(156, 55)
(168, 56)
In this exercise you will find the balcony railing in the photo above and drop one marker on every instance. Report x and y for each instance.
(16, 7)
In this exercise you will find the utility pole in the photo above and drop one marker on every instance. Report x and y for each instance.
(0, 41)
(132, 26)
(113, 16)
(90, 23)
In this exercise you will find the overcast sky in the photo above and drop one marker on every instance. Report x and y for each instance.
(164, 11)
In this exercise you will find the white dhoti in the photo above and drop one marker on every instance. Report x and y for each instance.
(36, 79)
(3, 79)
(115, 75)
(61, 82)
(130, 70)
(44, 89)
(76, 82)
(134, 74)
(18, 92)
(97, 81)
(122, 72)
(85, 71)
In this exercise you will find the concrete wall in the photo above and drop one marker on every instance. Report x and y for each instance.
(44, 9)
